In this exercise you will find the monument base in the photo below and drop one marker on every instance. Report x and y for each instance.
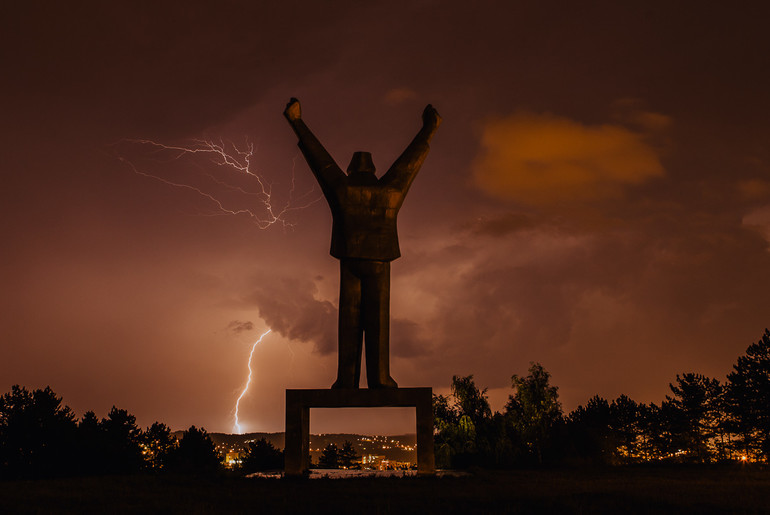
(299, 402)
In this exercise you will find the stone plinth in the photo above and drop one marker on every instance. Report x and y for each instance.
(299, 402)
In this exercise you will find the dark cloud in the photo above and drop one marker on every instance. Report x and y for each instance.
(239, 327)
(614, 299)
(406, 339)
(289, 307)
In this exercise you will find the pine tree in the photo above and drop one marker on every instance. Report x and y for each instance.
(696, 404)
(37, 434)
(261, 455)
(158, 444)
(348, 457)
(748, 398)
(330, 457)
(195, 454)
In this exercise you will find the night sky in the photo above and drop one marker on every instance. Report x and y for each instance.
(596, 200)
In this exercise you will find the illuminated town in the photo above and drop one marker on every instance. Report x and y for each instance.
(373, 452)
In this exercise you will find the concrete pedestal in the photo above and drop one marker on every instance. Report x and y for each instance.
(299, 402)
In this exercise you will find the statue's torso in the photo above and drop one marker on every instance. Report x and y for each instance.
(364, 225)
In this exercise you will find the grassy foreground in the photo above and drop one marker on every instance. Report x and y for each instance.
(617, 490)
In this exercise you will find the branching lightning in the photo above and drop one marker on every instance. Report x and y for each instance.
(227, 158)
(226, 174)
(237, 427)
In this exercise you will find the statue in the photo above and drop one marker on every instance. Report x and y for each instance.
(365, 240)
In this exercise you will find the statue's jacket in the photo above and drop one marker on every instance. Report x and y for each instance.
(364, 208)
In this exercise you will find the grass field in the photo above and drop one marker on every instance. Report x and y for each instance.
(691, 490)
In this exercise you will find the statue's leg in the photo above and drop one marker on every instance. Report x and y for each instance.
(349, 329)
(376, 314)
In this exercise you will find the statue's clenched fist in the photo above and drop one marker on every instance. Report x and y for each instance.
(293, 112)
(430, 117)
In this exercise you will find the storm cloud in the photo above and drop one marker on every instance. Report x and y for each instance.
(289, 306)
(237, 327)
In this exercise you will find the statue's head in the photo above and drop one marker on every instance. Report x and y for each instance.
(361, 162)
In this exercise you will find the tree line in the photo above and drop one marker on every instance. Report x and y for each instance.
(334, 457)
(701, 421)
(40, 438)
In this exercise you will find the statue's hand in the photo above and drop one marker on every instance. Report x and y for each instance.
(430, 117)
(293, 111)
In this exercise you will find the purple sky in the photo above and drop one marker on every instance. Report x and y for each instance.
(597, 199)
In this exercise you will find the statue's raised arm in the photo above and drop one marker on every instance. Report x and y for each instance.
(321, 163)
(402, 173)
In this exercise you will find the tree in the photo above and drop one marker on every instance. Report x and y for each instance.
(195, 454)
(37, 434)
(469, 400)
(261, 455)
(445, 419)
(748, 398)
(534, 410)
(612, 432)
(462, 429)
(626, 427)
(122, 451)
(655, 440)
(591, 432)
(91, 444)
(348, 457)
(330, 457)
(696, 412)
(443, 413)
(158, 444)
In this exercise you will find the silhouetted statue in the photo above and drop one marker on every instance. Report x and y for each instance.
(365, 240)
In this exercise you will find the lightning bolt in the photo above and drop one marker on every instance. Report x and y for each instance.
(225, 161)
(237, 427)
(226, 157)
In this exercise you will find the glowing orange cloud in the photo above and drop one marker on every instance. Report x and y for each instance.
(544, 159)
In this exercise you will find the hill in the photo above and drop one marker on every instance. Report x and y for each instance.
(394, 448)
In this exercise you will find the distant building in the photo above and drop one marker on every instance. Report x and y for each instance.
(378, 462)
(372, 462)
(233, 458)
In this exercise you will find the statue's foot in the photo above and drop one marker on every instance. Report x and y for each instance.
(388, 383)
(341, 384)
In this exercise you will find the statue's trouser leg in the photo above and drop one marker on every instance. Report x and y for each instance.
(375, 307)
(350, 329)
